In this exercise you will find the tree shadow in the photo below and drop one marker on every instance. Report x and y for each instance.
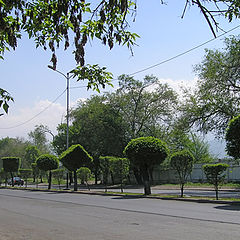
(128, 197)
(230, 207)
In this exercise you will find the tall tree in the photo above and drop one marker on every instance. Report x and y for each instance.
(217, 97)
(76, 22)
(31, 154)
(38, 138)
(144, 104)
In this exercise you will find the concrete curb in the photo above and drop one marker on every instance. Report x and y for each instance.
(126, 196)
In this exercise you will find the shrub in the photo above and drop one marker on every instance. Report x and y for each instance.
(215, 174)
(144, 153)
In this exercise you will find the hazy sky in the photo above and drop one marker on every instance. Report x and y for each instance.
(164, 34)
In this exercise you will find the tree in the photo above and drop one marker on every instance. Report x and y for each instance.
(25, 174)
(47, 162)
(4, 176)
(145, 152)
(98, 127)
(11, 165)
(38, 138)
(58, 175)
(215, 174)
(217, 97)
(5, 97)
(182, 162)
(120, 169)
(84, 174)
(74, 23)
(105, 169)
(74, 158)
(31, 154)
(35, 171)
(12, 147)
(143, 104)
(233, 138)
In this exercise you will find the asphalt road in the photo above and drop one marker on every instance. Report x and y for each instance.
(29, 215)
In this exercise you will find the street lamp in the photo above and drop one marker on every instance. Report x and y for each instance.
(68, 77)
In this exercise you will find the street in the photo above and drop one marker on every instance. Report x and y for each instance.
(47, 215)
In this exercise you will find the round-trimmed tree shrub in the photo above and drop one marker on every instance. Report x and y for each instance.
(144, 153)
(215, 174)
(233, 138)
(182, 163)
(11, 165)
(74, 158)
(47, 162)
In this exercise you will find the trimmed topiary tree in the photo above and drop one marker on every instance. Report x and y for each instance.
(233, 138)
(215, 174)
(144, 153)
(74, 158)
(182, 163)
(11, 165)
(25, 174)
(47, 162)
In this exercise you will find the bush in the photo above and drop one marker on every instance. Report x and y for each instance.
(182, 162)
(144, 153)
(215, 174)
(74, 158)
(47, 162)
(11, 164)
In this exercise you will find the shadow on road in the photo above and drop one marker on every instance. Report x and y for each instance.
(229, 207)
(128, 197)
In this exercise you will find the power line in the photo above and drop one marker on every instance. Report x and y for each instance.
(183, 53)
(37, 113)
(132, 74)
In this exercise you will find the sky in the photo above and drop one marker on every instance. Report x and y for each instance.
(38, 91)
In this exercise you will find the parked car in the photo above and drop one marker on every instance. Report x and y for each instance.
(16, 181)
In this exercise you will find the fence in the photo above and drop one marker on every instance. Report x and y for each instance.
(161, 175)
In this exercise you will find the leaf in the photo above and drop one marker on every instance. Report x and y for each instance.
(5, 107)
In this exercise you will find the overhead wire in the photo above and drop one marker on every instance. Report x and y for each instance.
(23, 123)
(132, 74)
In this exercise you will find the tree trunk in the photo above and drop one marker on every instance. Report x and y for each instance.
(75, 180)
(112, 178)
(145, 175)
(182, 185)
(137, 175)
(96, 176)
(216, 190)
(50, 180)
(12, 179)
(70, 178)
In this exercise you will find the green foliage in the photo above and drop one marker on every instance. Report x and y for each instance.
(84, 174)
(11, 164)
(143, 110)
(105, 167)
(47, 162)
(38, 138)
(233, 138)
(182, 162)
(215, 174)
(75, 157)
(217, 98)
(25, 174)
(5, 97)
(14, 147)
(31, 154)
(4, 176)
(58, 174)
(145, 152)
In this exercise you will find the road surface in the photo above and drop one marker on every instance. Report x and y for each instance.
(27, 215)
